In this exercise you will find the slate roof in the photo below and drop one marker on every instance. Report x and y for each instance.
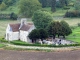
(15, 27)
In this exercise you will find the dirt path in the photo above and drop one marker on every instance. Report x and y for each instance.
(20, 55)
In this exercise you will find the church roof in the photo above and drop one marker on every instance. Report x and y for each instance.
(15, 27)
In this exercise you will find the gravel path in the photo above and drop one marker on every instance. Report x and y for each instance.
(20, 55)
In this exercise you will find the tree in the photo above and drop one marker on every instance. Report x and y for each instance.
(63, 3)
(43, 2)
(59, 28)
(3, 6)
(41, 19)
(13, 16)
(28, 7)
(77, 5)
(53, 5)
(34, 35)
(43, 34)
(9, 2)
(66, 30)
(1, 1)
(54, 28)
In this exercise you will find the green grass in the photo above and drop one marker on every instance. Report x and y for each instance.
(1, 45)
(75, 36)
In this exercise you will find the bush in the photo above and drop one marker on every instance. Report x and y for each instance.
(72, 14)
(3, 40)
(44, 45)
(13, 16)
(66, 8)
(78, 24)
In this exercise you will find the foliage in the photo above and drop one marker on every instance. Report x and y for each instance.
(13, 16)
(54, 28)
(41, 19)
(1, 1)
(38, 34)
(53, 5)
(42, 34)
(45, 3)
(3, 6)
(72, 14)
(66, 30)
(78, 24)
(34, 35)
(77, 5)
(9, 2)
(28, 7)
(59, 28)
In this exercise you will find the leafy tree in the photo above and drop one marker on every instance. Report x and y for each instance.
(13, 16)
(53, 5)
(43, 2)
(34, 35)
(28, 7)
(66, 30)
(54, 29)
(63, 3)
(77, 5)
(3, 6)
(43, 34)
(1, 1)
(9, 2)
(41, 19)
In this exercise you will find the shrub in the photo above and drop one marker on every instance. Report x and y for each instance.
(78, 24)
(72, 14)
(13, 16)
(44, 45)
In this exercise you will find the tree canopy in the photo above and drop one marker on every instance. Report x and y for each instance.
(41, 19)
(59, 28)
(28, 7)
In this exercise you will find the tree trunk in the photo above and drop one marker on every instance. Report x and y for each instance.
(32, 41)
(64, 36)
(53, 5)
(53, 36)
(58, 36)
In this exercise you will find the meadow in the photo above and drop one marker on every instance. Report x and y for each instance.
(57, 16)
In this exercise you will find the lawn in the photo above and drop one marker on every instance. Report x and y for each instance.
(75, 36)
(2, 45)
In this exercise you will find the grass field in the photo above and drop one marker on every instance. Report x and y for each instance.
(75, 36)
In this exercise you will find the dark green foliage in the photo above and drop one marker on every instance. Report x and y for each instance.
(1, 1)
(54, 29)
(59, 28)
(79, 24)
(41, 19)
(34, 35)
(72, 14)
(66, 30)
(45, 3)
(42, 34)
(28, 7)
(38, 34)
(63, 3)
(13, 16)
(9, 2)
(53, 5)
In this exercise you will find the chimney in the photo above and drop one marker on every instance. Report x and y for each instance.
(23, 21)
